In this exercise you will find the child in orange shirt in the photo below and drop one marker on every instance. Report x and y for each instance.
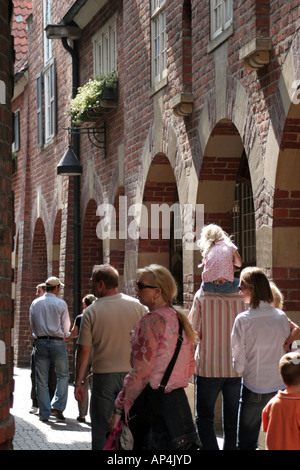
(281, 416)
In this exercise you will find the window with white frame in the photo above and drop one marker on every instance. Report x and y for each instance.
(158, 40)
(46, 88)
(46, 104)
(16, 142)
(50, 100)
(221, 15)
(105, 49)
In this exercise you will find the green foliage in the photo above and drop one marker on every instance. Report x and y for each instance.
(89, 96)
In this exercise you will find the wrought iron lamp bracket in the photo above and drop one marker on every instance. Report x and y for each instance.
(96, 135)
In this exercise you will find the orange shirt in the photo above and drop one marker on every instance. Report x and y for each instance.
(281, 422)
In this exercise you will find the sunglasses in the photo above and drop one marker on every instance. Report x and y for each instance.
(140, 285)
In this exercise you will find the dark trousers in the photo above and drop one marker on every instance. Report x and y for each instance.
(51, 382)
(251, 406)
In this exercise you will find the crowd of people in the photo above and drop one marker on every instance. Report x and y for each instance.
(139, 354)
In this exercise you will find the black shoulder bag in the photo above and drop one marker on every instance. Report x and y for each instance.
(147, 406)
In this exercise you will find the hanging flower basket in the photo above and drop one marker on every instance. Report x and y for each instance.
(94, 98)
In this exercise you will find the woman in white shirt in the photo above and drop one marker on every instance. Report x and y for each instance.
(258, 338)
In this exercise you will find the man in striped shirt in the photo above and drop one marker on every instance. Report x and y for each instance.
(212, 316)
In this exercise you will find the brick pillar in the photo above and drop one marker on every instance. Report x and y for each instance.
(6, 316)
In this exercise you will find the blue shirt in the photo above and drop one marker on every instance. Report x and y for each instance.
(49, 316)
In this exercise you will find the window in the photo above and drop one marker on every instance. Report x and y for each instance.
(46, 104)
(158, 40)
(105, 49)
(16, 142)
(221, 17)
(46, 88)
(243, 216)
(50, 100)
(39, 109)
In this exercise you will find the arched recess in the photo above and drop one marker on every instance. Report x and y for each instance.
(157, 243)
(286, 213)
(225, 190)
(117, 240)
(32, 274)
(282, 168)
(39, 255)
(91, 245)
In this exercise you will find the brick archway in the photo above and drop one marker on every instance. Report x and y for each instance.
(286, 213)
(157, 245)
(217, 179)
(91, 246)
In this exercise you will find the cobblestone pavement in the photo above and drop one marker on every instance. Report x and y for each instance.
(33, 434)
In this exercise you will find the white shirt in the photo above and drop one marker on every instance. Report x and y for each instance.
(49, 316)
(257, 340)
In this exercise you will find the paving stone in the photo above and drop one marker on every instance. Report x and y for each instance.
(33, 434)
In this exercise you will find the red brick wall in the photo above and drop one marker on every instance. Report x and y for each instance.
(6, 308)
(91, 246)
(288, 281)
(286, 208)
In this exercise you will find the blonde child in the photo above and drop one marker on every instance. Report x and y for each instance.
(281, 415)
(278, 303)
(219, 256)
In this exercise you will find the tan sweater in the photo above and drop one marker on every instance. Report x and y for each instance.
(106, 326)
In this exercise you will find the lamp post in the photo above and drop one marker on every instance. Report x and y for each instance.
(70, 162)
(69, 165)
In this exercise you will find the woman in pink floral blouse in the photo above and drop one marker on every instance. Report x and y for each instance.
(153, 344)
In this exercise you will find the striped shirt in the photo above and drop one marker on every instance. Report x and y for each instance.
(212, 316)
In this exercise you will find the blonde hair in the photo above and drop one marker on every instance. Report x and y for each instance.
(163, 280)
(277, 296)
(210, 235)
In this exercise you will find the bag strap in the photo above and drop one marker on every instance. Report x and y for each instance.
(169, 369)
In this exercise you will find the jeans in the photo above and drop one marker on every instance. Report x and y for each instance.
(51, 380)
(105, 389)
(225, 288)
(47, 351)
(249, 421)
(207, 391)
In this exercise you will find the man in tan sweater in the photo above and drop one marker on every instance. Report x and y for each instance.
(105, 327)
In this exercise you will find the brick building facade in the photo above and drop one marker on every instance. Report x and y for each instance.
(7, 426)
(207, 115)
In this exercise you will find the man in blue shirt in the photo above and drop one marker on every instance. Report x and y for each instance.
(50, 323)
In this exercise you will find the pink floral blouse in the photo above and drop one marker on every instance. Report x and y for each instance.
(153, 344)
(219, 262)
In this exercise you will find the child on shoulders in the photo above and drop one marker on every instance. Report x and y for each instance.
(219, 256)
